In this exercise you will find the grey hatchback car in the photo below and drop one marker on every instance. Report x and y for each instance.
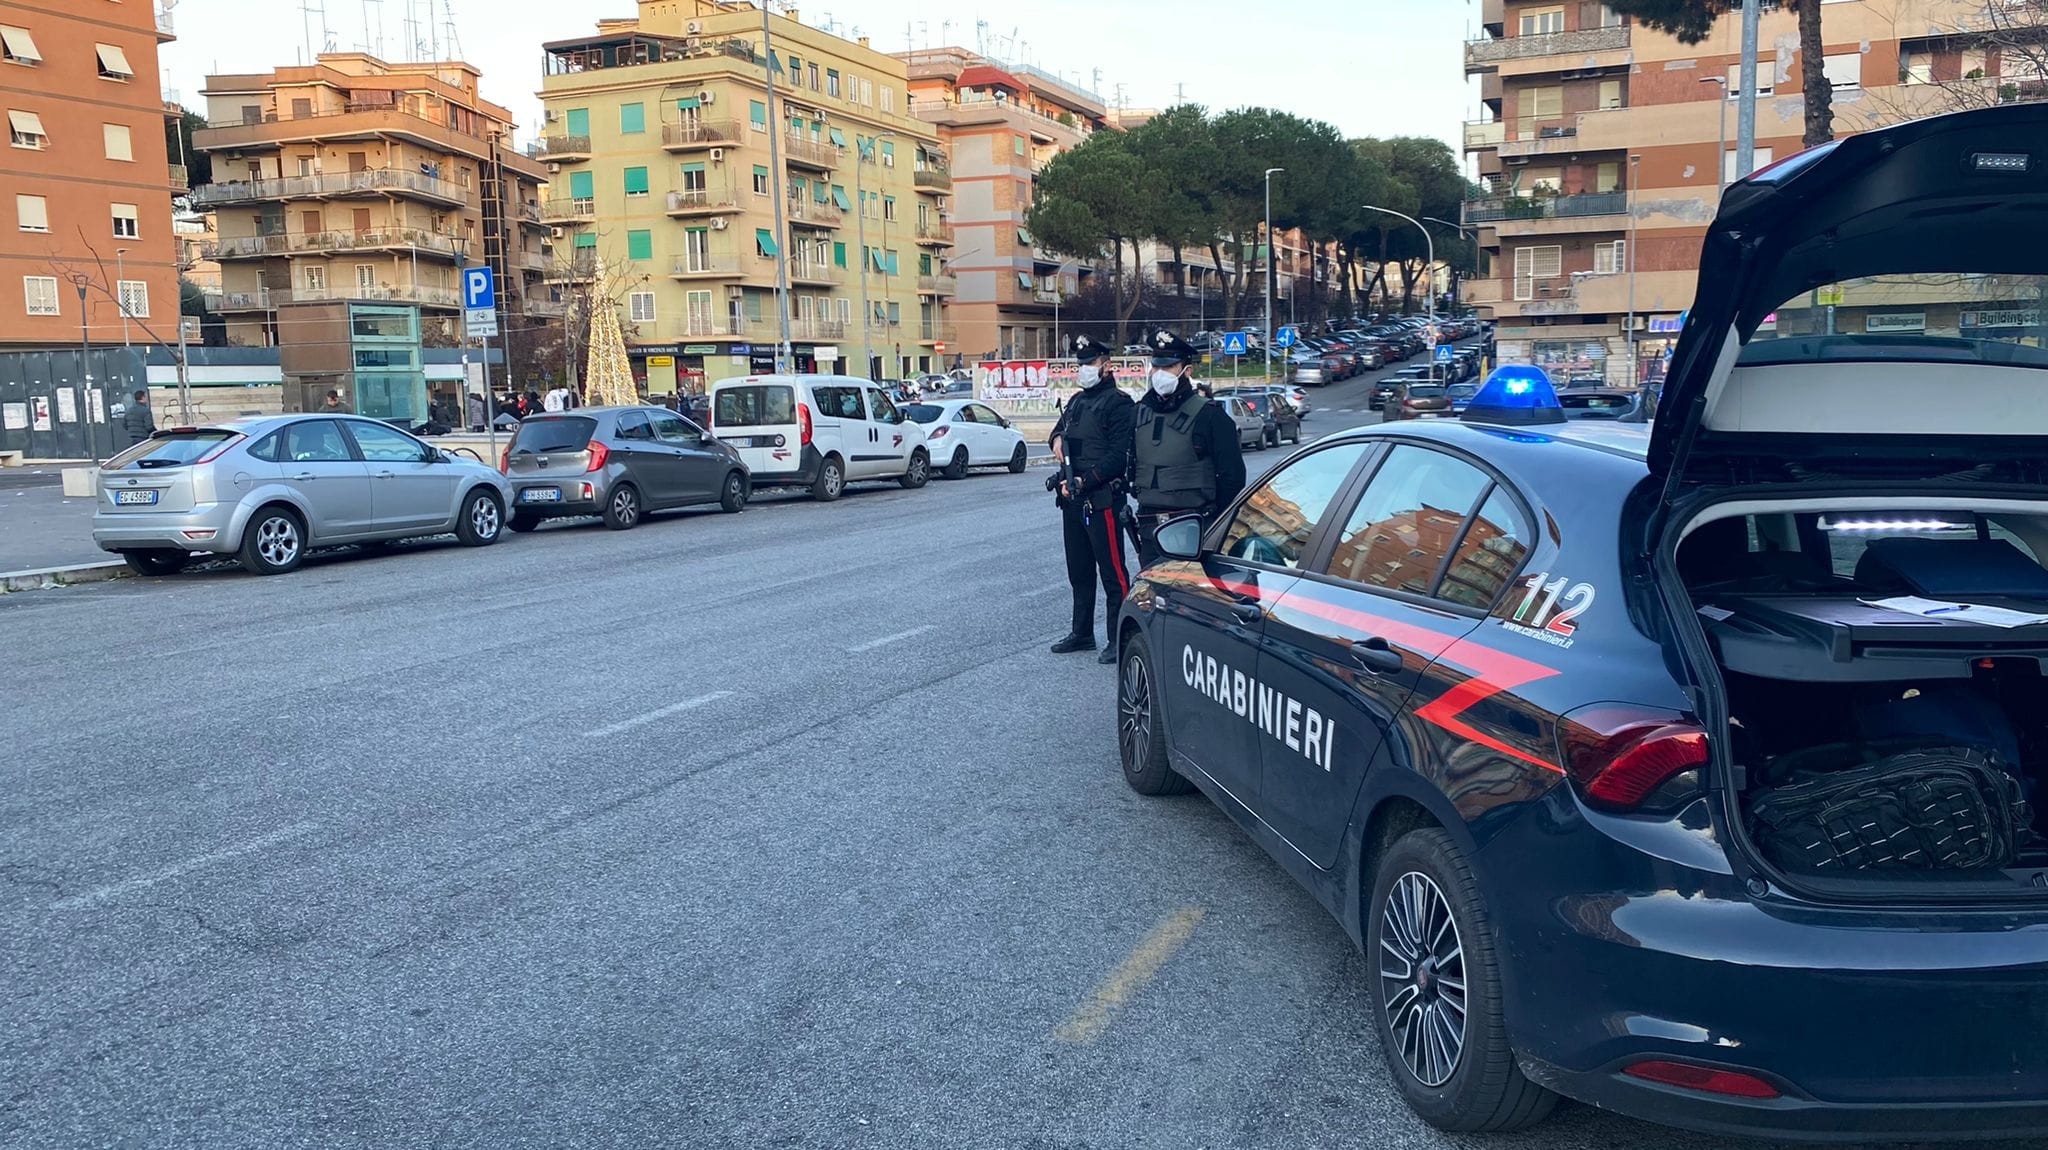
(618, 463)
(270, 488)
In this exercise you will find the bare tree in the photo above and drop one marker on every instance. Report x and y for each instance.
(99, 281)
(2000, 51)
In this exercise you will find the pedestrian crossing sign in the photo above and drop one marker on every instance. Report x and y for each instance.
(1234, 343)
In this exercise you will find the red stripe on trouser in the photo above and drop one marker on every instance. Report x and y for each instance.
(1116, 553)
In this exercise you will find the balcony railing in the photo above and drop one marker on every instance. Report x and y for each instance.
(937, 333)
(1585, 40)
(1484, 134)
(180, 181)
(374, 181)
(530, 212)
(564, 147)
(530, 261)
(546, 308)
(816, 327)
(704, 265)
(1540, 207)
(933, 179)
(165, 25)
(266, 299)
(815, 273)
(804, 210)
(935, 232)
(710, 327)
(289, 243)
(686, 201)
(580, 265)
(702, 134)
(1051, 295)
(370, 118)
(809, 153)
(567, 208)
(937, 285)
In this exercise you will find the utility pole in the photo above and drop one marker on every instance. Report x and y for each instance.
(1745, 111)
(1721, 148)
(785, 362)
(79, 280)
(1267, 350)
(1634, 167)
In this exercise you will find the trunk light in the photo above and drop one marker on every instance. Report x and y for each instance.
(1852, 525)
(2001, 161)
(598, 454)
(1707, 1078)
(1619, 755)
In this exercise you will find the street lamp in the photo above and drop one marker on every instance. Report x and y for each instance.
(860, 197)
(1268, 348)
(1429, 242)
(1634, 167)
(1461, 230)
(1720, 151)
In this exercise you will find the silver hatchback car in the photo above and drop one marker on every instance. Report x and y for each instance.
(269, 488)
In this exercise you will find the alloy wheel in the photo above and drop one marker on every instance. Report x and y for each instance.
(277, 541)
(1422, 978)
(1134, 711)
(483, 519)
(625, 505)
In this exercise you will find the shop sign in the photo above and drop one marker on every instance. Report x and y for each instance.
(1895, 321)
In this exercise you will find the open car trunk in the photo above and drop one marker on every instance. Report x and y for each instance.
(1880, 740)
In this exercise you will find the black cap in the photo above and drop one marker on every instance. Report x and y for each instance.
(1171, 348)
(1086, 349)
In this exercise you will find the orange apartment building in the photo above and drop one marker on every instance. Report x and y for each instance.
(1593, 122)
(1001, 123)
(85, 176)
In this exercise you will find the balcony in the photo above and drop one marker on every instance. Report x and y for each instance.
(166, 28)
(267, 299)
(563, 149)
(705, 267)
(801, 272)
(937, 285)
(269, 131)
(935, 232)
(689, 137)
(330, 243)
(804, 210)
(1484, 134)
(816, 328)
(335, 186)
(933, 180)
(538, 308)
(579, 266)
(566, 210)
(1053, 295)
(529, 261)
(1477, 292)
(1539, 207)
(180, 181)
(529, 214)
(803, 153)
(262, 299)
(1487, 54)
(710, 327)
(702, 202)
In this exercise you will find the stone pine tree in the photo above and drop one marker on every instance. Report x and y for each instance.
(1693, 20)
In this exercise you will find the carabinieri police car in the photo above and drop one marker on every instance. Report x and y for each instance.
(1692, 768)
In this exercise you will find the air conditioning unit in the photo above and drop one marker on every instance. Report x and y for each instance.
(554, 169)
(707, 98)
(718, 223)
(555, 233)
(550, 115)
(694, 28)
(735, 291)
(718, 155)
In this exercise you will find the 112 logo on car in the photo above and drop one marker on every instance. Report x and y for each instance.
(1539, 615)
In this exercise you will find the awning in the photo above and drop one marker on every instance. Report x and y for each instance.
(26, 123)
(1024, 280)
(837, 137)
(839, 197)
(1024, 237)
(20, 44)
(113, 59)
(687, 103)
(765, 240)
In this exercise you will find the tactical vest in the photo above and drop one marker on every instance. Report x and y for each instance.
(1086, 437)
(1171, 475)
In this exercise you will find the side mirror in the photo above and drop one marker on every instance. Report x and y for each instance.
(432, 454)
(1180, 537)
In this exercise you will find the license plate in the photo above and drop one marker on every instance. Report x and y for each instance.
(541, 495)
(1427, 414)
(135, 497)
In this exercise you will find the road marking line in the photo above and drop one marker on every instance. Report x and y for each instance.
(95, 897)
(1131, 975)
(885, 640)
(657, 713)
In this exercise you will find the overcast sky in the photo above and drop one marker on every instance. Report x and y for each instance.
(1372, 67)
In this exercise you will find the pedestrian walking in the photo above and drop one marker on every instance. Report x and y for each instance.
(138, 419)
(1186, 455)
(1092, 442)
(473, 413)
(557, 399)
(333, 405)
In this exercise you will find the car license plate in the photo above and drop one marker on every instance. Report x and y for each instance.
(541, 495)
(134, 497)
(1427, 414)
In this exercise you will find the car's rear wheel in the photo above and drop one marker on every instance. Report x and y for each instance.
(1436, 991)
(157, 561)
(920, 472)
(831, 481)
(482, 519)
(732, 498)
(1140, 735)
(1018, 460)
(622, 510)
(956, 468)
(275, 541)
(523, 521)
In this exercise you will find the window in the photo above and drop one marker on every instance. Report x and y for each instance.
(760, 180)
(796, 71)
(757, 115)
(1607, 177)
(316, 280)
(883, 407)
(867, 93)
(838, 402)
(1610, 257)
(694, 182)
(366, 277)
(640, 245)
(32, 213)
(1609, 18)
(120, 144)
(25, 130)
(1764, 85)
(1408, 520)
(674, 429)
(381, 444)
(697, 249)
(888, 153)
(126, 226)
(1273, 525)
(633, 425)
(1542, 22)
(113, 63)
(578, 121)
(582, 185)
(18, 47)
(1539, 104)
(888, 98)
(895, 309)
(832, 81)
(765, 245)
(1917, 67)
(1761, 158)
(889, 207)
(1492, 551)
(640, 307)
(1536, 263)
(1610, 93)
(41, 294)
(316, 441)
(839, 255)
(632, 119)
(586, 241)
(1845, 70)
(636, 181)
(814, 77)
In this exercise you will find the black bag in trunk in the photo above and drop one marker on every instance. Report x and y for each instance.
(1929, 808)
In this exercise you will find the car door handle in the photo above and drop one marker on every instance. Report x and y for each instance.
(387, 475)
(304, 477)
(1374, 654)
(1247, 612)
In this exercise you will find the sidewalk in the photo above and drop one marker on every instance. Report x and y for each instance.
(41, 528)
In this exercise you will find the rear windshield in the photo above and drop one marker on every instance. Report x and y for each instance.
(923, 412)
(1941, 317)
(754, 405)
(1256, 404)
(566, 433)
(1463, 390)
(1593, 402)
(170, 449)
(1425, 391)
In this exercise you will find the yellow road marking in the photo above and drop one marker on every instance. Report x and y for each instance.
(1130, 975)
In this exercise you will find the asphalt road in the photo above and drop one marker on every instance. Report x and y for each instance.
(781, 829)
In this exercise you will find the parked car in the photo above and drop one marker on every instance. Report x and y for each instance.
(1418, 401)
(1251, 426)
(1598, 402)
(618, 463)
(818, 432)
(1461, 396)
(1281, 421)
(962, 433)
(267, 489)
(1308, 370)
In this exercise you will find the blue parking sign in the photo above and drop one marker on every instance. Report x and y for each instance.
(479, 288)
(1234, 343)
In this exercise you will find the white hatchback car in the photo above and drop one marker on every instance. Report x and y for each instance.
(819, 432)
(964, 433)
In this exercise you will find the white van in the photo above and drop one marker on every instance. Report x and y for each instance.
(818, 431)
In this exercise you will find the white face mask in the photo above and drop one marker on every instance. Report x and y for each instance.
(1165, 382)
(1090, 375)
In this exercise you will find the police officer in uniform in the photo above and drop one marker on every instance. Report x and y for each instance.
(1092, 441)
(1186, 455)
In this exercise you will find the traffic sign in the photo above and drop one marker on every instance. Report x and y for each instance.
(479, 302)
(1444, 353)
(1234, 343)
(1286, 337)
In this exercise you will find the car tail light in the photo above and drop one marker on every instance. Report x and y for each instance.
(803, 419)
(1711, 1079)
(505, 460)
(1622, 756)
(598, 454)
(939, 432)
(218, 448)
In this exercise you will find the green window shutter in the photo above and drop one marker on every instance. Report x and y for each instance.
(888, 151)
(579, 121)
(1024, 280)
(757, 113)
(764, 242)
(1018, 143)
(924, 264)
(632, 119)
(797, 186)
(839, 197)
(761, 175)
(693, 167)
(892, 265)
(582, 185)
(688, 102)
(837, 137)
(817, 129)
(753, 304)
(895, 314)
(639, 245)
(796, 125)
(839, 255)
(586, 239)
(880, 264)
(822, 193)
(1024, 237)
(636, 181)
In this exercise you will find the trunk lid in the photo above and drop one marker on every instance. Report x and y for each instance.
(162, 473)
(762, 420)
(1871, 308)
(550, 445)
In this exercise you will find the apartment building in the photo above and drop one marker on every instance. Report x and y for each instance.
(359, 179)
(666, 150)
(1596, 128)
(85, 175)
(1001, 123)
